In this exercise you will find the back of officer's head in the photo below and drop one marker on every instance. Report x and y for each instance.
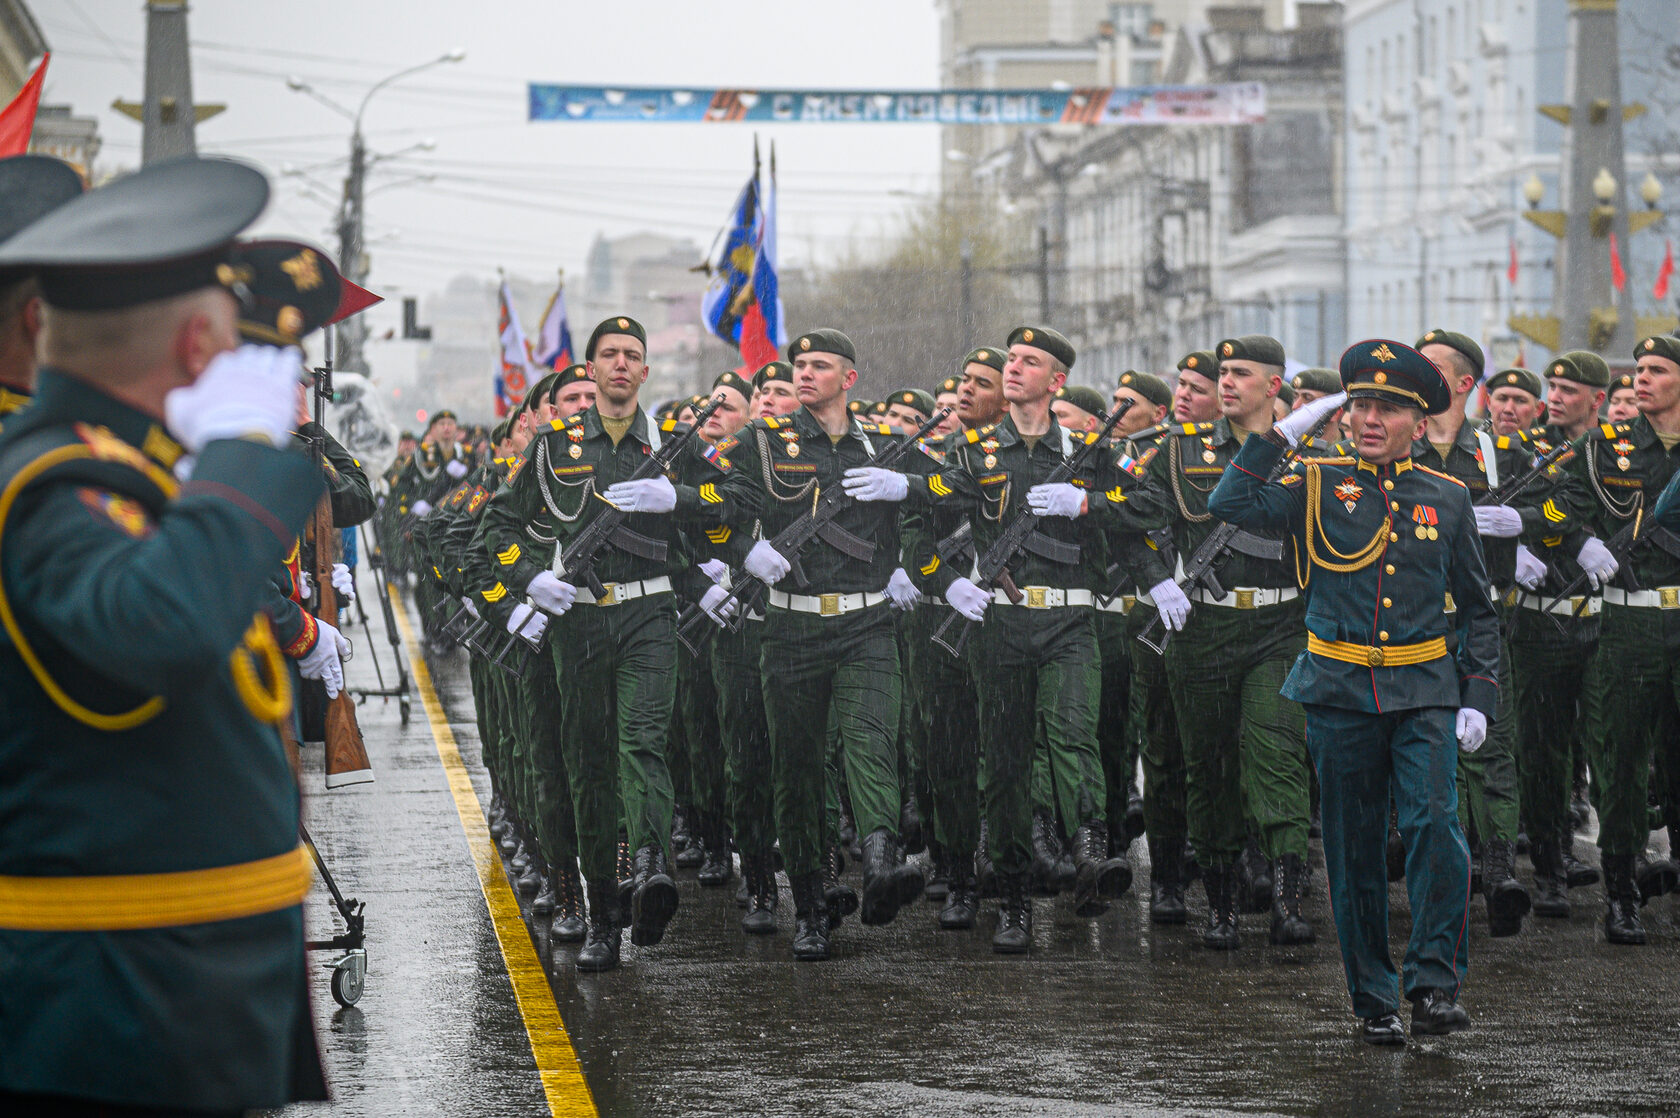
(174, 337)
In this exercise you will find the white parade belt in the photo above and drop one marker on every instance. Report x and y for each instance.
(825, 605)
(624, 591)
(1247, 597)
(1663, 597)
(1046, 597)
(1565, 608)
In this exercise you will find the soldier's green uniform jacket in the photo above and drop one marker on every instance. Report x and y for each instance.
(1368, 537)
(426, 477)
(1619, 468)
(12, 401)
(1467, 461)
(1562, 533)
(139, 692)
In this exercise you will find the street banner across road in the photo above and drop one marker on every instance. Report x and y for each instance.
(1236, 103)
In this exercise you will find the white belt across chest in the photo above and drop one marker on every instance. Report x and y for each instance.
(825, 605)
(1541, 603)
(1663, 597)
(1046, 597)
(624, 591)
(1247, 597)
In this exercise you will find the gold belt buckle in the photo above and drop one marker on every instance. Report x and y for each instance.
(1511, 596)
(1375, 657)
(1575, 604)
(1035, 597)
(1451, 606)
(1668, 597)
(610, 597)
(1245, 599)
(828, 605)
(1128, 603)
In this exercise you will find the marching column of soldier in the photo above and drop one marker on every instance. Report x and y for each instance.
(1014, 623)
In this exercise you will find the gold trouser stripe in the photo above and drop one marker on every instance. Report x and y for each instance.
(122, 902)
(1384, 656)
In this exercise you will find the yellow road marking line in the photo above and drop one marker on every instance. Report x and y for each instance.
(557, 1063)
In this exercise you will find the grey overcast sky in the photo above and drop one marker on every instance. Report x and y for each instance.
(526, 196)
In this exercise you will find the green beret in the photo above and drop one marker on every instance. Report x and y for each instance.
(1202, 362)
(1391, 371)
(1042, 337)
(1084, 398)
(822, 340)
(1251, 347)
(1517, 378)
(439, 417)
(990, 356)
(1463, 343)
(912, 398)
(619, 324)
(731, 379)
(949, 384)
(879, 407)
(1658, 345)
(500, 431)
(859, 407)
(405, 435)
(569, 375)
(669, 409)
(775, 370)
(1623, 381)
(1149, 386)
(1581, 366)
(541, 392)
(1317, 380)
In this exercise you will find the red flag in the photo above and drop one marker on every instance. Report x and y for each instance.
(17, 120)
(1511, 272)
(1617, 275)
(1659, 290)
(757, 350)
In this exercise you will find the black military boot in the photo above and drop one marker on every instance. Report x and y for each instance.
(688, 844)
(840, 901)
(655, 899)
(600, 951)
(1134, 824)
(1046, 852)
(682, 827)
(1551, 887)
(1478, 855)
(1254, 875)
(888, 882)
(626, 879)
(1014, 932)
(810, 918)
(910, 825)
(939, 883)
(1621, 901)
(1656, 877)
(718, 865)
(497, 816)
(848, 834)
(1435, 1013)
(1098, 878)
(962, 901)
(1507, 900)
(1396, 855)
(530, 879)
(1166, 881)
(543, 903)
(1289, 880)
(520, 856)
(508, 844)
(1576, 872)
(569, 923)
(760, 879)
(1222, 885)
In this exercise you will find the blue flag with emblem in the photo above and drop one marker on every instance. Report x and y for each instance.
(731, 289)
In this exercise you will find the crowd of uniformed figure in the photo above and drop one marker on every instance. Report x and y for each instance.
(827, 727)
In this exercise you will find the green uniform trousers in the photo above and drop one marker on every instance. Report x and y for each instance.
(913, 651)
(1155, 724)
(1245, 757)
(697, 707)
(489, 744)
(516, 756)
(1641, 718)
(746, 737)
(1037, 679)
(616, 670)
(1117, 744)
(949, 721)
(1487, 779)
(540, 723)
(815, 667)
(1548, 680)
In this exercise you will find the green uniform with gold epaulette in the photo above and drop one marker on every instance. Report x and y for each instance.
(427, 478)
(12, 401)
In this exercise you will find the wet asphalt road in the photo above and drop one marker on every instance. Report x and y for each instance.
(1112, 1016)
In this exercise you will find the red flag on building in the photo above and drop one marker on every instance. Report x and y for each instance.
(1617, 275)
(1511, 271)
(1659, 290)
(17, 120)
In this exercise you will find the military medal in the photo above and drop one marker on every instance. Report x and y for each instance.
(1348, 493)
(793, 450)
(1623, 462)
(991, 460)
(575, 450)
(1426, 519)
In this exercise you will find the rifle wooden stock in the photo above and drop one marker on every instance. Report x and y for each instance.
(347, 759)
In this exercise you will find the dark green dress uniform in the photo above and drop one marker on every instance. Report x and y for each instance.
(1380, 548)
(427, 478)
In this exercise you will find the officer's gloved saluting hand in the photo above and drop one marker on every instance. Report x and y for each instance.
(324, 661)
(1471, 728)
(550, 595)
(1294, 426)
(248, 391)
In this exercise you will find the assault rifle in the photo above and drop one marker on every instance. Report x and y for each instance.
(747, 592)
(1022, 534)
(1505, 494)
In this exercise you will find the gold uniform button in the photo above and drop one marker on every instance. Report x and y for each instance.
(1388, 570)
(1383, 635)
(1388, 485)
(1388, 603)
(1395, 505)
(1393, 537)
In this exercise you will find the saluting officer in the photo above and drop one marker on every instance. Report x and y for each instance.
(148, 812)
(1382, 540)
(31, 186)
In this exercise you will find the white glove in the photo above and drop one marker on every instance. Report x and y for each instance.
(714, 569)
(471, 608)
(1531, 572)
(343, 583)
(248, 391)
(1304, 418)
(1471, 729)
(323, 662)
(550, 595)
(902, 591)
(968, 599)
(871, 483)
(527, 624)
(455, 468)
(1059, 498)
(766, 564)
(711, 600)
(1595, 559)
(306, 586)
(1171, 603)
(1498, 521)
(648, 494)
(421, 509)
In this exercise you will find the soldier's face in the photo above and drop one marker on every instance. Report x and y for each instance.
(1304, 396)
(543, 413)
(728, 417)
(952, 422)
(1656, 385)
(444, 432)
(1247, 389)
(1072, 417)
(1196, 399)
(1623, 406)
(1141, 414)
(619, 367)
(1030, 375)
(1512, 410)
(980, 399)
(1570, 403)
(1382, 429)
(821, 378)
(578, 396)
(777, 398)
(905, 416)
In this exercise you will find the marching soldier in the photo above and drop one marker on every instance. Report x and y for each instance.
(1151, 400)
(1514, 401)
(1622, 405)
(31, 186)
(1382, 540)
(773, 390)
(948, 396)
(148, 813)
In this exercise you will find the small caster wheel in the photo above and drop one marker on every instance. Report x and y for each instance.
(349, 976)
(405, 706)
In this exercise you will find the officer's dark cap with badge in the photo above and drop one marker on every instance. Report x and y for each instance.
(1517, 378)
(1202, 362)
(1149, 386)
(1582, 366)
(773, 370)
(1262, 349)
(288, 289)
(1042, 337)
(912, 398)
(32, 186)
(1086, 399)
(1383, 369)
(1658, 345)
(163, 231)
(617, 324)
(824, 339)
(1316, 380)
(730, 379)
(1462, 343)
(949, 386)
(990, 356)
